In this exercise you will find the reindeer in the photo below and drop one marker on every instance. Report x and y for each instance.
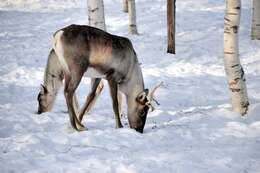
(53, 80)
(83, 50)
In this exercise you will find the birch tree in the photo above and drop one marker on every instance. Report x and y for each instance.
(96, 16)
(171, 25)
(132, 17)
(255, 29)
(234, 71)
(125, 6)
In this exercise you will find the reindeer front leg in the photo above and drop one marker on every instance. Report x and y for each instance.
(113, 91)
(96, 88)
(71, 83)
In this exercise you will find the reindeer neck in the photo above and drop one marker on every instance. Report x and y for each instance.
(53, 74)
(49, 80)
(136, 83)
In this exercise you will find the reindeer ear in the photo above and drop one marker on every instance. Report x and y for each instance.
(142, 98)
(43, 89)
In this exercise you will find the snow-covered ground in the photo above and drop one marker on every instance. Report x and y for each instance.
(193, 130)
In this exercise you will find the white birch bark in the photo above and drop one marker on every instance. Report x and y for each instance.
(132, 17)
(255, 30)
(234, 71)
(125, 6)
(96, 16)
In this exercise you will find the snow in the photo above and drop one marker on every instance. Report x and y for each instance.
(193, 130)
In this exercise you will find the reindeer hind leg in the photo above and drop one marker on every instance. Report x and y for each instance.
(71, 84)
(96, 88)
(119, 98)
(76, 103)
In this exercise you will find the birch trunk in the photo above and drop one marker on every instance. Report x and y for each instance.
(125, 6)
(234, 71)
(132, 17)
(171, 25)
(96, 17)
(255, 31)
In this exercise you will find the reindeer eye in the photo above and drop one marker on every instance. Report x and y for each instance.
(142, 113)
(39, 97)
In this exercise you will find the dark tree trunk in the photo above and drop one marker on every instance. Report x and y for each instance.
(171, 25)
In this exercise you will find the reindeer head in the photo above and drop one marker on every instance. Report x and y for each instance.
(138, 113)
(45, 100)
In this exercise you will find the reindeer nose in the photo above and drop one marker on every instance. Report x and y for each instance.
(140, 130)
(39, 111)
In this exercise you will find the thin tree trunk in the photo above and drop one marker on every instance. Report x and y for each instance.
(125, 6)
(171, 25)
(234, 71)
(96, 16)
(255, 31)
(132, 17)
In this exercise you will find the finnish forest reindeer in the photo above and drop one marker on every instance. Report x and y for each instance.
(84, 50)
(53, 80)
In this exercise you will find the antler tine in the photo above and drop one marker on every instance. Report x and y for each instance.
(155, 88)
(151, 95)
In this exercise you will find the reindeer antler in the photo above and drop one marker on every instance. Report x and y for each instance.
(151, 95)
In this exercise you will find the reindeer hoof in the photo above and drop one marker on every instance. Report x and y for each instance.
(80, 127)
